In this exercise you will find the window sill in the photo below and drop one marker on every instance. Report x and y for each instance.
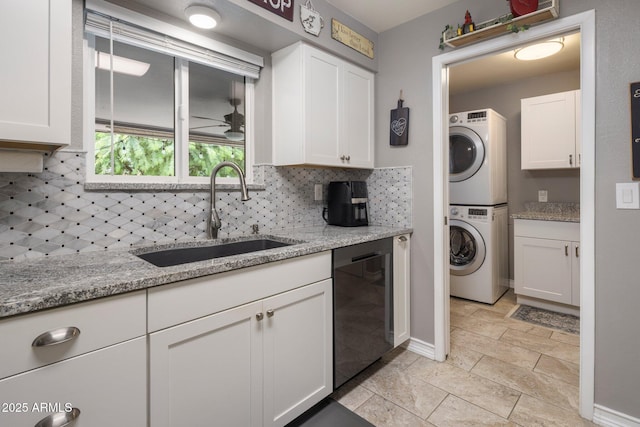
(127, 186)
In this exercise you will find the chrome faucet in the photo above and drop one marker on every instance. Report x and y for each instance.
(213, 221)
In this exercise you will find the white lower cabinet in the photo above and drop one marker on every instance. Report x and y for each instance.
(260, 364)
(102, 388)
(546, 263)
(401, 289)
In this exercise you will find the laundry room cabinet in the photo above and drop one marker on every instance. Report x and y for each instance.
(547, 260)
(323, 110)
(551, 131)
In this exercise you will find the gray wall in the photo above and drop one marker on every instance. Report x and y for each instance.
(523, 185)
(405, 62)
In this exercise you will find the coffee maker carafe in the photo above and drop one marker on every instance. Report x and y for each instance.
(347, 203)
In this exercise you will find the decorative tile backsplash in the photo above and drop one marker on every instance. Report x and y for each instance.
(50, 213)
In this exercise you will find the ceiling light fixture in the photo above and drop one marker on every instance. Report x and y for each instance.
(540, 50)
(202, 17)
(121, 64)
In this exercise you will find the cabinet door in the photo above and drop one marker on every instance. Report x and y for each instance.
(543, 268)
(35, 41)
(208, 371)
(357, 136)
(322, 112)
(298, 351)
(575, 274)
(401, 289)
(108, 387)
(548, 131)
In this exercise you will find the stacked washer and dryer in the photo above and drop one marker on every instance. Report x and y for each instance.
(478, 225)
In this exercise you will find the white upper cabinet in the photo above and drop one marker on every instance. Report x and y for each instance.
(551, 131)
(322, 110)
(35, 42)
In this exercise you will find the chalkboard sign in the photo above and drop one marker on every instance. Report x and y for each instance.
(635, 129)
(399, 132)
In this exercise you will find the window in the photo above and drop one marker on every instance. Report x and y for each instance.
(159, 116)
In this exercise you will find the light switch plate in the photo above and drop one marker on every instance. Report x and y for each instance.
(543, 195)
(628, 195)
(317, 192)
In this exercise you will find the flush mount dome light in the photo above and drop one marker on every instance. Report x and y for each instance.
(202, 16)
(540, 50)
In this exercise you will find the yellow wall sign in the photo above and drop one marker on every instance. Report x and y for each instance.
(347, 36)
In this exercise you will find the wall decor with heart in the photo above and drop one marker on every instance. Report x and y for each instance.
(399, 130)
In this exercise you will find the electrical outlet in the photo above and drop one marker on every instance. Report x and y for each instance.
(542, 195)
(317, 192)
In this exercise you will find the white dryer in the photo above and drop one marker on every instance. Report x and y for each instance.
(477, 158)
(478, 259)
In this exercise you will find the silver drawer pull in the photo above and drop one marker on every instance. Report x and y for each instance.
(270, 313)
(59, 419)
(566, 250)
(57, 336)
(259, 316)
(402, 238)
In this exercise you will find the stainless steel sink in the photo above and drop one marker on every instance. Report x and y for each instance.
(184, 255)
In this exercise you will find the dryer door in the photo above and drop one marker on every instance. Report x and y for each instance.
(467, 248)
(466, 153)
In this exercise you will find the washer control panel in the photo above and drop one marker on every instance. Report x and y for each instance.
(461, 212)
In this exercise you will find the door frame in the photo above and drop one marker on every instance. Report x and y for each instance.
(584, 23)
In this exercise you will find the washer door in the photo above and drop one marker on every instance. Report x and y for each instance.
(466, 153)
(467, 248)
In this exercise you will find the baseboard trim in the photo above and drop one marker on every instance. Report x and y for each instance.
(422, 348)
(609, 418)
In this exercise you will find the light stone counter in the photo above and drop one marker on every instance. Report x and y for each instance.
(552, 211)
(32, 285)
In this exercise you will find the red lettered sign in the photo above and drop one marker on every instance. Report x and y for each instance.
(282, 8)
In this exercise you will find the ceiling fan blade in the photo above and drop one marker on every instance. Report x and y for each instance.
(208, 118)
(209, 126)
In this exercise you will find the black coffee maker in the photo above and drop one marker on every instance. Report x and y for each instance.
(347, 203)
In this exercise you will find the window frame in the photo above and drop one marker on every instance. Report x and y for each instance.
(181, 135)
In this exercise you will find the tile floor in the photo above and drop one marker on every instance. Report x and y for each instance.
(500, 372)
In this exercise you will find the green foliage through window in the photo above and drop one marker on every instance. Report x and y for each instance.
(134, 155)
(149, 156)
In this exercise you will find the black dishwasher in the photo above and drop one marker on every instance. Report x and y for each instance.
(362, 306)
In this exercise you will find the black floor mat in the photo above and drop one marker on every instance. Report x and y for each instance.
(329, 413)
(550, 319)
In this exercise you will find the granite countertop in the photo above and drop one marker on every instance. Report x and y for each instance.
(37, 284)
(552, 211)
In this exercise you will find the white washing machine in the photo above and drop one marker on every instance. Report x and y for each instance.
(478, 259)
(477, 158)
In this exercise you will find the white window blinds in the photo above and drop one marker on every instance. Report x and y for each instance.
(234, 60)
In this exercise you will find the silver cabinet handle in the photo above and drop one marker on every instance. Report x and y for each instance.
(59, 419)
(270, 313)
(566, 250)
(259, 316)
(348, 158)
(570, 159)
(342, 158)
(577, 251)
(57, 336)
(402, 238)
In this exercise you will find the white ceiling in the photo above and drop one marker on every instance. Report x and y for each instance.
(381, 15)
(504, 68)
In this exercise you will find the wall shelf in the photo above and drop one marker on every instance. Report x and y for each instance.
(547, 10)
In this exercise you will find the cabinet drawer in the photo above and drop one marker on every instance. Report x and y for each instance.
(557, 230)
(180, 302)
(107, 386)
(100, 323)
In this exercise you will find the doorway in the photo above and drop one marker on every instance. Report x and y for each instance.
(585, 24)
